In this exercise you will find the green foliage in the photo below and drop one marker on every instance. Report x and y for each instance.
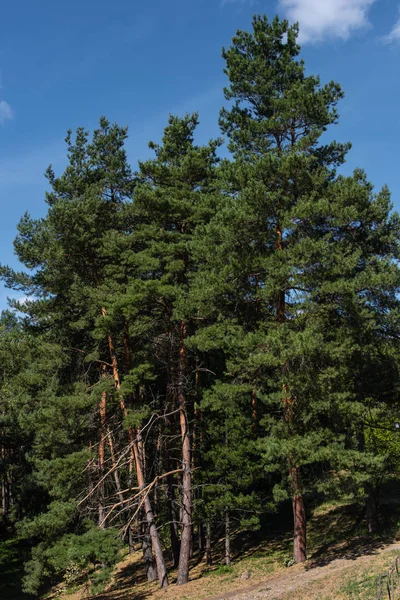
(49, 524)
(73, 554)
(256, 298)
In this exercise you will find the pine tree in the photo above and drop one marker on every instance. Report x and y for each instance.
(174, 193)
(69, 253)
(201, 339)
(295, 241)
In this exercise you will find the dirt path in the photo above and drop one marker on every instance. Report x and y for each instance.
(299, 578)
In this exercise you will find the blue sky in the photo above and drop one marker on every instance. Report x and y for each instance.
(63, 64)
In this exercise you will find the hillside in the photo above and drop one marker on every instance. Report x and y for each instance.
(344, 564)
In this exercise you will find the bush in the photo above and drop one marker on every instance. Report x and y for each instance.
(72, 556)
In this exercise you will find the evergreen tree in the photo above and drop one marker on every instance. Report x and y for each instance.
(295, 241)
(175, 192)
(200, 339)
(69, 254)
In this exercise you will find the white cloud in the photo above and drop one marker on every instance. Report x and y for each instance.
(321, 19)
(394, 35)
(6, 112)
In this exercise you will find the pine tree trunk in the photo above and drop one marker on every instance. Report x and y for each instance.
(200, 540)
(89, 470)
(299, 513)
(175, 544)
(299, 517)
(4, 485)
(372, 508)
(130, 541)
(227, 538)
(148, 558)
(135, 440)
(10, 492)
(4, 496)
(208, 543)
(101, 451)
(155, 538)
(191, 553)
(196, 416)
(186, 537)
(173, 514)
(115, 469)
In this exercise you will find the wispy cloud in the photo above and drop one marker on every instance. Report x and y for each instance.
(322, 19)
(325, 19)
(6, 112)
(394, 35)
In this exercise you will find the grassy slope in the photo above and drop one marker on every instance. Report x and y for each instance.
(355, 582)
(335, 532)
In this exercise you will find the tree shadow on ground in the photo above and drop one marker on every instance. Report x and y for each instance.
(126, 593)
(335, 532)
(128, 584)
(342, 534)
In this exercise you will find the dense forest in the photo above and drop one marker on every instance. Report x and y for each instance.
(203, 336)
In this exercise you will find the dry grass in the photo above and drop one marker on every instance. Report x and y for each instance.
(344, 564)
(354, 582)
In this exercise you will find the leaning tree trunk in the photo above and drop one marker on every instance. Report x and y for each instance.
(135, 440)
(299, 517)
(137, 443)
(186, 537)
(101, 452)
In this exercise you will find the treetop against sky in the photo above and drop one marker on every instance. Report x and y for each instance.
(64, 65)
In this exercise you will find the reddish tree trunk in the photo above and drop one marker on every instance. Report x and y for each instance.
(299, 513)
(101, 451)
(299, 517)
(186, 522)
(135, 440)
(155, 539)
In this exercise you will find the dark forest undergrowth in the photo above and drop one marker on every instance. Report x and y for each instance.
(11, 569)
